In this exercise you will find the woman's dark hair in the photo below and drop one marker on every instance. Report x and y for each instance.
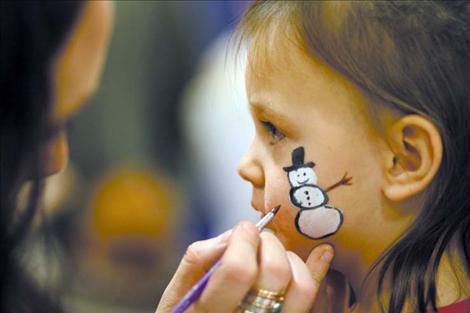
(31, 36)
(413, 57)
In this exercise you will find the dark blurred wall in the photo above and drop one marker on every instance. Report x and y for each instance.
(135, 114)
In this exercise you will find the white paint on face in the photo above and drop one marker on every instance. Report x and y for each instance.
(308, 197)
(320, 222)
(315, 219)
(302, 176)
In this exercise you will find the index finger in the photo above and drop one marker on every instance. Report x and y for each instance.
(198, 258)
(236, 274)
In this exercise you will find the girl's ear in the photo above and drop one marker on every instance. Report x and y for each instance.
(414, 159)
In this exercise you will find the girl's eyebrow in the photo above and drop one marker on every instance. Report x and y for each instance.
(267, 111)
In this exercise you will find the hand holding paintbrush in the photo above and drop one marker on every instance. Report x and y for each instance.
(196, 291)
(225, 285)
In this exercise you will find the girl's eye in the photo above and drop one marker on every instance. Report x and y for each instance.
(275, 133)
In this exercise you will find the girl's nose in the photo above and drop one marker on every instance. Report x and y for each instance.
(251, 170)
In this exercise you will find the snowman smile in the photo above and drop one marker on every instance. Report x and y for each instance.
(301, 182)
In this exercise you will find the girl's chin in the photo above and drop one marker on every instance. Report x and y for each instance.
(55, 155)
(291, 243)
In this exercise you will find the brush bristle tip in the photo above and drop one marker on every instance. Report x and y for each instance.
(276, 209)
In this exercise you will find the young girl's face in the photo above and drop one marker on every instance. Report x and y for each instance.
(298, 102)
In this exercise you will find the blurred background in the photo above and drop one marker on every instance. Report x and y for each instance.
(153, 157)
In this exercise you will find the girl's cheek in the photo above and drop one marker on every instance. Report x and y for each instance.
(277, 193)
(287, 232)
(306, 215)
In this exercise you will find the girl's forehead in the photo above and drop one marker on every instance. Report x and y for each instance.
(280, 54)
(285, 78)
(278, 66)
(274, 52)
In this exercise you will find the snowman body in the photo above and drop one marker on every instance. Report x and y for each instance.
(308, 197)
(320, 222)
(315, 219)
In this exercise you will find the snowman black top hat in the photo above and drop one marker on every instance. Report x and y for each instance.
(298, 157)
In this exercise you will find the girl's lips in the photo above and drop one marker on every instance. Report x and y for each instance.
(262, 212)
(256, 208)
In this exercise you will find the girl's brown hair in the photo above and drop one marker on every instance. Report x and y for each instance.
(412, 57)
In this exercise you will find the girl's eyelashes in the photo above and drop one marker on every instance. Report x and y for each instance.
(275, 133)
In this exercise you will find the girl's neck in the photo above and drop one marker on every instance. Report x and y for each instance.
(452, 284)
(452, 279)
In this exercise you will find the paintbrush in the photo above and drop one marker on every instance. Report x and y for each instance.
(199, 287)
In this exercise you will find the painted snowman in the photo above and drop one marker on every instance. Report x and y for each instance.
(315, 219)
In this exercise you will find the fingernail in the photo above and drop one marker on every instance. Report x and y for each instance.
(224, 236)
(249, 227)
(327, 254)
(267, 230)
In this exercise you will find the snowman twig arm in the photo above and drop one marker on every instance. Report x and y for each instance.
(344, 181)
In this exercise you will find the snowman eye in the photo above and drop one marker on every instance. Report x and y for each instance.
(275, 133)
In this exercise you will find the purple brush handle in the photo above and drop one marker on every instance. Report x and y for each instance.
(196, 291)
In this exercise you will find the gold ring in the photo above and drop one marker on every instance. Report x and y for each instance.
(262, 301)
(268, 294)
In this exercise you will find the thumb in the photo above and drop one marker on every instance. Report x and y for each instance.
(318, 262)
(197, 260)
